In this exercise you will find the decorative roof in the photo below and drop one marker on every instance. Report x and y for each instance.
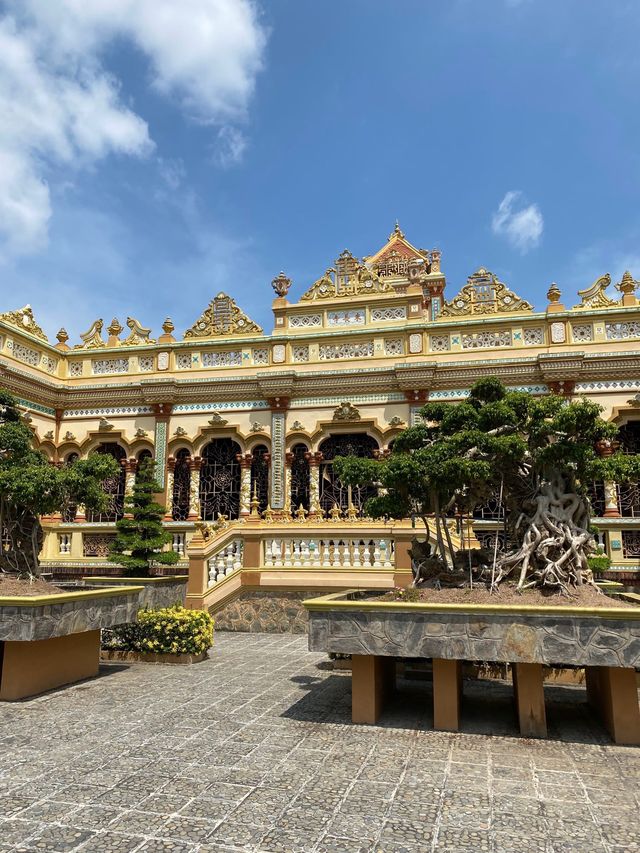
(594, 296)
(349, 277)
(23, 319)
(222, 317)
(138, 335)
(484, 294)
(92, 338)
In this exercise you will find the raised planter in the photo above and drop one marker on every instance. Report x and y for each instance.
(50, 640)
(150, 657)
(605, 641)
(156, 593)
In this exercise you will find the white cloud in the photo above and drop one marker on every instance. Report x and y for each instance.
(62, 108)
(522, 226)
(230, 146)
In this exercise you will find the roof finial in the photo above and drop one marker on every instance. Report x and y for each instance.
(397, 231)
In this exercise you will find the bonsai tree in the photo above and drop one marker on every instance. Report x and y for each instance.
(540, 454)
(141, 536)
(30, 486)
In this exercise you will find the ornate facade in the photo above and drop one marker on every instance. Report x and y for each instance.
(245, 424)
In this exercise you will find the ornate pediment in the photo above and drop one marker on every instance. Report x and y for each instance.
(138, 335)
(222, 317)
(346, 412)
(92, 338)
(594, 296)
(349, 277)
(396, 258)
(484, 294)
(23, 319)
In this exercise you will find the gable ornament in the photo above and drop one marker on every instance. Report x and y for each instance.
(346, 412)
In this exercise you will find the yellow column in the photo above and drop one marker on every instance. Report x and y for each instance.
(372, 678)
(528, 687)
(613, 693)
(447, 694)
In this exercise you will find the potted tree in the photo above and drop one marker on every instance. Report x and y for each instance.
(48, 636)
(533, 604)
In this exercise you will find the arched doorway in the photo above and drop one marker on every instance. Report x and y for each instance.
(112, 486)
(180, 498)
(332, 491)
(220, 480)
(300, 478)
(260, 476)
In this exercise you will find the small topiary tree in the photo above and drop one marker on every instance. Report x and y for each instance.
(30, 486)
(141, 536)
(539, 452)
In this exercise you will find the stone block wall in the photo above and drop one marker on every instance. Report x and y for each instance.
(271, 612)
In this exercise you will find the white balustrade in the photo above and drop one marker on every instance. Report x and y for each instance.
(225, 561)
(64, 540)
(178, 543)
(329, 553)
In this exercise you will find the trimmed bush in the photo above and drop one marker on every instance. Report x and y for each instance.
(172, 630)
(599, 563)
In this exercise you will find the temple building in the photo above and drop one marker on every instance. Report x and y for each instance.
(245, 424)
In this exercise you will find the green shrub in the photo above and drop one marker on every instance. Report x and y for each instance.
(173, 630)
(599, 563)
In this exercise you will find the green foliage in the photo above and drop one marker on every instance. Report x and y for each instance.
(30, 486)
(172, 630)
(141, 536)
(399, 593)
(462, 453)
(599, 563)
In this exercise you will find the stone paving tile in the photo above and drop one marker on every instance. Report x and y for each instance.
(253, 751)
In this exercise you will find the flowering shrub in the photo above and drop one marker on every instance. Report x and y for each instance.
(409, 593)
(173, 630)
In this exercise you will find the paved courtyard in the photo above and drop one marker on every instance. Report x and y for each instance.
(253, 750)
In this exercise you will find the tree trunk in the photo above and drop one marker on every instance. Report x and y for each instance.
(553, 528)
(21, 542)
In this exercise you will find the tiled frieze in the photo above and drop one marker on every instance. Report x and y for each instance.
(487, 340)
(183, 361)
(394, 346)
(582, 332)
(229, 358)
(439, 343)
(105, 366)
(261, 356)
(379, 315)
(75, 369)
(305, 321)
(300, 353)
(534, 337)
(146, 363)
(327, 352)
(23, 353)
(622, 331)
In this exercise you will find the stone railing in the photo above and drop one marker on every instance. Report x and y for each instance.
(226, 560)
(328, 553)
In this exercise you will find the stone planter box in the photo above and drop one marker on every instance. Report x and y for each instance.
(50, 640)
(150, 657)
(605, 641)
(156, 593)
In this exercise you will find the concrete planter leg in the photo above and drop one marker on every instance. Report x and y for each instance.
(613, 693)
(31, 667)
(372, 678)
(447, 694)
(528, 686)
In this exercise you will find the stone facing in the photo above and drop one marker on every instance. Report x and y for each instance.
(509, 638)
(41, 622)
(154, 595)
(267, 612)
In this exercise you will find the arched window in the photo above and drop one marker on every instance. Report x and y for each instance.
(300, 477)
(69, 512)
(260, 476)
(181, 485)
(629, 493)
(332, 491)
(113, 486)
(220, 480)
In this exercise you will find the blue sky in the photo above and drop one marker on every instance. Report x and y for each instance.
(155, 153)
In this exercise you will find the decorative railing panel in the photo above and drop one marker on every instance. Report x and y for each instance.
(225, 561)
(339, 553)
